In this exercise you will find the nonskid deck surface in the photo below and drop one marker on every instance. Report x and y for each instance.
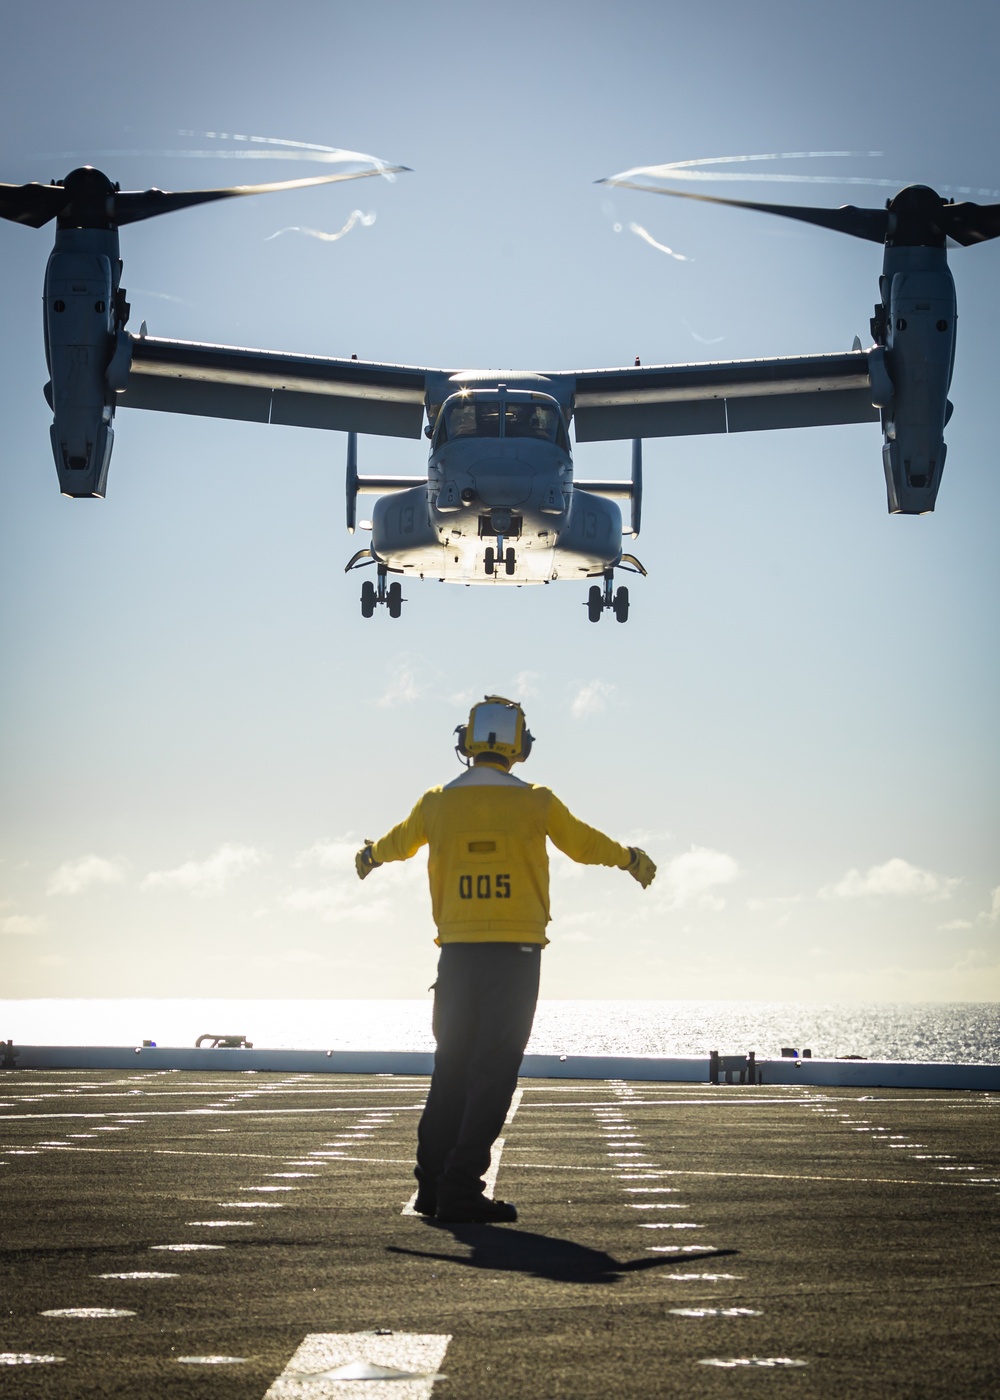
(245, 1235)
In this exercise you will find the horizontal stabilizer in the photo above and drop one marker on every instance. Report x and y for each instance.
(614, 490)
(388, 485)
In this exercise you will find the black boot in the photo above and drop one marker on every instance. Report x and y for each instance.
(477, 1210)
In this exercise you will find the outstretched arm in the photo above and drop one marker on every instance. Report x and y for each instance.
(589, 846)
(400, 843)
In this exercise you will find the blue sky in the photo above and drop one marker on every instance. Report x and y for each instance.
(799, 720)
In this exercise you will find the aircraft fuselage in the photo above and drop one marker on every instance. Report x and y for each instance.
(499, 504)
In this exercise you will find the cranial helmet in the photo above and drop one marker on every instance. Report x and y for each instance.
(496, 726)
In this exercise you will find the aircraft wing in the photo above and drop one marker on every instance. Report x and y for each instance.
(735, 396)
(363, 396)
(261, 386)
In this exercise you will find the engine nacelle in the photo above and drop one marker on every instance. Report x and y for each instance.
(912, 375)
(81, 285)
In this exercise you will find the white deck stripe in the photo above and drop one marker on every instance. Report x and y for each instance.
(312, 1372)
(515, 1104)
(490, 1179)
(495, 1154)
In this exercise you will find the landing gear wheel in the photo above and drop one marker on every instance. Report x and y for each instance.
(620, 605)
(490, 561)
(509, 563)
(394, 598)
(595, 604)
(368, 599)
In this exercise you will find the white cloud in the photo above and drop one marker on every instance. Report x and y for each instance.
(954, 925)
(342, 899)
(405, 686)
(995, 906)
(646, 836)
(591, 699)
(207, 877)
(24, 925)
(897, 877)
(337, 904)
(524, 686)
(329, 855)
(74, 876)
(693, 877)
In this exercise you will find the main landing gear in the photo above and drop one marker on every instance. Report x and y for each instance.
(373, 597)
(607, 598)
(376, 595)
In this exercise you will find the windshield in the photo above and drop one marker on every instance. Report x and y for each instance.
(480, 418)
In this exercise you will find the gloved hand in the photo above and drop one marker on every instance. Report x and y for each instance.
(364, 861)
(641, 868)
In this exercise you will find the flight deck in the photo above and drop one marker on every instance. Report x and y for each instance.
(172, 1233)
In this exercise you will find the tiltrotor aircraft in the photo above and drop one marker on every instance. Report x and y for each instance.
(499, 503)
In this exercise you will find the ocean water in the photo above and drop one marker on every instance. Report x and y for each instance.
(957, 1032)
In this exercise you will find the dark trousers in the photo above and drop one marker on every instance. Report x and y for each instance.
(484, 1004)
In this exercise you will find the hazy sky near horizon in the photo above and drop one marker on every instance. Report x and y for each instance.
(799, 721)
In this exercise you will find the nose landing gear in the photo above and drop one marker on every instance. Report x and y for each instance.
(608, 599)
(495, 557)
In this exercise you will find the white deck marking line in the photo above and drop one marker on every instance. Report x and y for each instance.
(495, 1154)
(397, 1366)
(223, 1112)
(749, 1176)
(341, 1158)
(490, 1179)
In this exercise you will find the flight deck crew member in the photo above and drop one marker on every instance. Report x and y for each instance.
(488, 869)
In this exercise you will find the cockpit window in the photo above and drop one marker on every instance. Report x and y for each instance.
(534, 420)
(466, 417)
(474, 418)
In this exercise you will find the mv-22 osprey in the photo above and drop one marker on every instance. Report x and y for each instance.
(500, 502)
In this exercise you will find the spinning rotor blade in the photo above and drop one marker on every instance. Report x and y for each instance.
(917, 216)
(130, 207)
(88, 199)
(862, 223)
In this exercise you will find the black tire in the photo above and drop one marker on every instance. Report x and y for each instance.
(509, 562)
(490, 563)
(595, 603)
(368, 599)
(621, 605)
(394, 598)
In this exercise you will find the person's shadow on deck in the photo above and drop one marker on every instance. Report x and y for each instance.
(505, 1249)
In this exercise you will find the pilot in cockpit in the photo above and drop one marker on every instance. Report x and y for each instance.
(529, 420)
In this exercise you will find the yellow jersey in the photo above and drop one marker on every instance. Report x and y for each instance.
(488, 864)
